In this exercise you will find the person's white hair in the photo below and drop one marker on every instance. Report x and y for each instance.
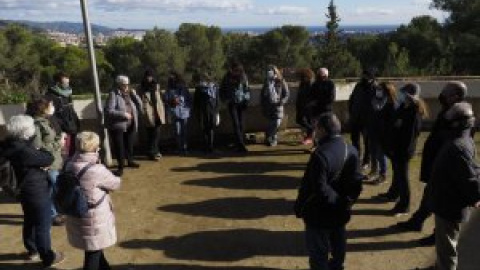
(87, 141)
(122, 79)
(21, 127)
(323, 72)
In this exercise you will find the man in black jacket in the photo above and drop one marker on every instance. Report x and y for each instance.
(455, 183)
(322, 94)
(61, 96)
(359, 110)
(452, 93)
(331, 184)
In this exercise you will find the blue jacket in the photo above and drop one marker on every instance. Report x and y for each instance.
(179, 102)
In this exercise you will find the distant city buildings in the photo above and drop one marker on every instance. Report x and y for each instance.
(100, 39)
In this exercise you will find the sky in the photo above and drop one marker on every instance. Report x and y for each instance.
(145, 14)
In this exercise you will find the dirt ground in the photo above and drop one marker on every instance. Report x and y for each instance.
(228, 212)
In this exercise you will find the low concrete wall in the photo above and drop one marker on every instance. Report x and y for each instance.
(254, 120)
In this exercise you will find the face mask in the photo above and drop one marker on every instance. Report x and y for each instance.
(271, 74)
(50, 110)
(379, 94)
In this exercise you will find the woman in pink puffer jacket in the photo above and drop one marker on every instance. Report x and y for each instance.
(96, 231)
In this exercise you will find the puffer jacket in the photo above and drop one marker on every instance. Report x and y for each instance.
(97, 230)
(48, 139)
(273, 98)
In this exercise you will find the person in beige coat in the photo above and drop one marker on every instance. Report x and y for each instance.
(153, 112)
(96, 231)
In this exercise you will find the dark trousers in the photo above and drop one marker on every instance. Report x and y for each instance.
(181, 134)
(424, 211)
(400, 183)
(123, 145)
(95, 260)
(355, 133)
(306, 123)
(153, 134)
(208, 124)
(37, 222)
(321, 242)
(236, 112)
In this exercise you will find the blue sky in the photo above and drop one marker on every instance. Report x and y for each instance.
(227, 13)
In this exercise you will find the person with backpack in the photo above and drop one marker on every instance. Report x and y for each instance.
(31, 169)
(95, 230)
(121, 111)
(273, 97)
(61, 96)
(331, 184)
(235, 91)
(47, 138)
(206, 104)
(153, 112)
(179, 103)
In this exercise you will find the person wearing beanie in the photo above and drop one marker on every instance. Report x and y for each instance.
(121, 111)
(455, 183)
(405, 129)
(452, 93)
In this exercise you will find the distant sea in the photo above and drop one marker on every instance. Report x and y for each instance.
(347, 29)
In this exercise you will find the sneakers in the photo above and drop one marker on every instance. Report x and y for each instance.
(59, 258)
(410, 225)
(32, 256)
(58, 220)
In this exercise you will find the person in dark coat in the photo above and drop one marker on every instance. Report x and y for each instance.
(382, 106)
(122, 111)
(153, 112)
(331, 184)
(401, 143)
(455, 184)
(235, 91)
(359, 111)
(322, 94)
(303, 118)
(206, 104)
(179, 103)
(61, 96)
(273, 97)
(452, 93)
(31, 166)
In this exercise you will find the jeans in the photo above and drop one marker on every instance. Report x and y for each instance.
(53, 174)
(181, 134)
(378, 158)
(95, 260)
(153, 134)
(321, 242)
(400, 183)
(36, 228)
(123, 145)
(355, 133)
(272, 130)
(446, 241)
(236, 112)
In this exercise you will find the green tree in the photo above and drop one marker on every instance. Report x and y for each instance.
(397, 63)
(123, 55)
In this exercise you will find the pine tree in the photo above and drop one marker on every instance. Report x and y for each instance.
(331, 37)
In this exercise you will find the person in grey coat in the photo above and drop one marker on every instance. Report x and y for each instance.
(274, 96)
(122, 107)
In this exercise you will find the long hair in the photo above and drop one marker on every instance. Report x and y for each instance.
(305, 75)
(276, 71)
(37, 106)
(422, 107)
(390, 90)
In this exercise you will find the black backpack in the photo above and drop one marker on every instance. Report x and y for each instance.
(69, 197)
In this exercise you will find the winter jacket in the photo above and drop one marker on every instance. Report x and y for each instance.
(331, 184)
(179, 102)
(235, 91)
(206, 102)
(322, 96)
(359, 106)
(64, 110)
(274, 96)
(303, 96)
(455, 182)
(380, 118)
(30, 166)
(432, 146)
(153, 109)
(48, 139)
(97, 230)
(404, 129)
(115, 109)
